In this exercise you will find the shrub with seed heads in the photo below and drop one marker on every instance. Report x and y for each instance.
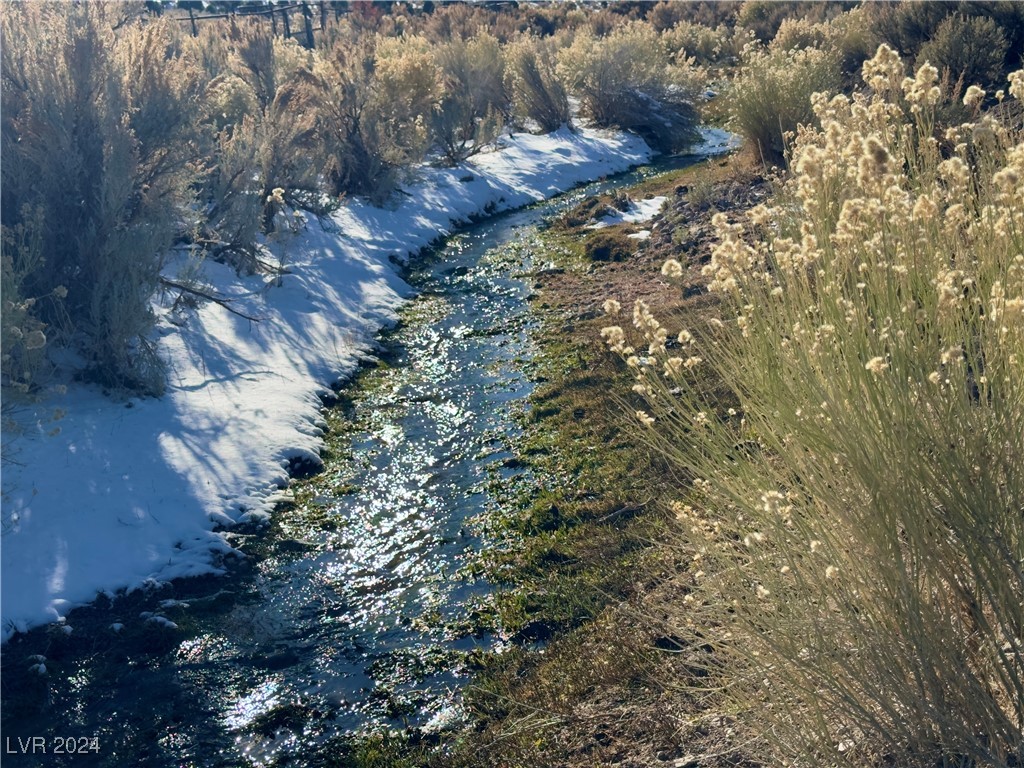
(866, 557)
(99, 143)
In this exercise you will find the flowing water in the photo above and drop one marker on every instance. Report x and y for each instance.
(347, 616)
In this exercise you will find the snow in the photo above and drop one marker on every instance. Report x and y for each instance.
(104, 495)
(715, 141)
(638, 210)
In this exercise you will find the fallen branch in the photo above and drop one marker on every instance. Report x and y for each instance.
(224, 302)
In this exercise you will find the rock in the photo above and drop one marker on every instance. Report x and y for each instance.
(295, 545)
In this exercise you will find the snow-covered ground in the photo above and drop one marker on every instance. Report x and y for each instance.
(104, 495)
(638, 211)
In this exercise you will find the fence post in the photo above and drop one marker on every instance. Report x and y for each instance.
(287, 26)
(307, 20)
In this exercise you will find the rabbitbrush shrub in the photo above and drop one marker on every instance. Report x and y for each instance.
(375, 101)
(627, 80)
(857, 509)
(98, 131)
(702, 44)
(538, 93)
(472, 103)
(771, 94)
(275, 144)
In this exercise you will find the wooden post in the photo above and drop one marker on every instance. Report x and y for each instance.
(307, 20)
(323, 17)
(287, 26)
(192, 18)
(273, 22)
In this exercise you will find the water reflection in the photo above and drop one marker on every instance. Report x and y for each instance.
(348, 622)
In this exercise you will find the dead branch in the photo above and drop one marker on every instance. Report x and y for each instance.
(224, 302)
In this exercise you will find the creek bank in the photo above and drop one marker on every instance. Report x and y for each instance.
(359, 605)
(589, 582)
(104, 496)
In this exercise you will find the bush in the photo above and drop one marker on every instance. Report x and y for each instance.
(374, 104)
(857, 515)
(98, 143)
(24, 335)
(771, 95)
(797, 33)
(537, 92)
(971, 50)
(764, 18)
(406, 87)
(702, 44)
(473, 103)
(272, 87)
(909, 26)
(854, 41)
(847, 36)
(627, 81)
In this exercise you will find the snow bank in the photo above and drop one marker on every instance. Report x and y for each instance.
(638, 210)
(115, 495)
(715, 141)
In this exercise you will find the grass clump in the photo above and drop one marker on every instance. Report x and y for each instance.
(608, 245)
(858, 513)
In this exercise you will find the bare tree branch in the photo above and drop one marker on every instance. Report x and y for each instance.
(224, 302)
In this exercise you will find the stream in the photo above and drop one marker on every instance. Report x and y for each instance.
(350, 615)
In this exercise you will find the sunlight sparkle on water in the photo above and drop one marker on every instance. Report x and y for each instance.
(258, 702)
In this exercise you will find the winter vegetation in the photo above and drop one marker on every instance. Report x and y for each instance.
(128, 133)
(832, 431)
(853, 499)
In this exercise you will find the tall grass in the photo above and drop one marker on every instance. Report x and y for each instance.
(857, 508)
